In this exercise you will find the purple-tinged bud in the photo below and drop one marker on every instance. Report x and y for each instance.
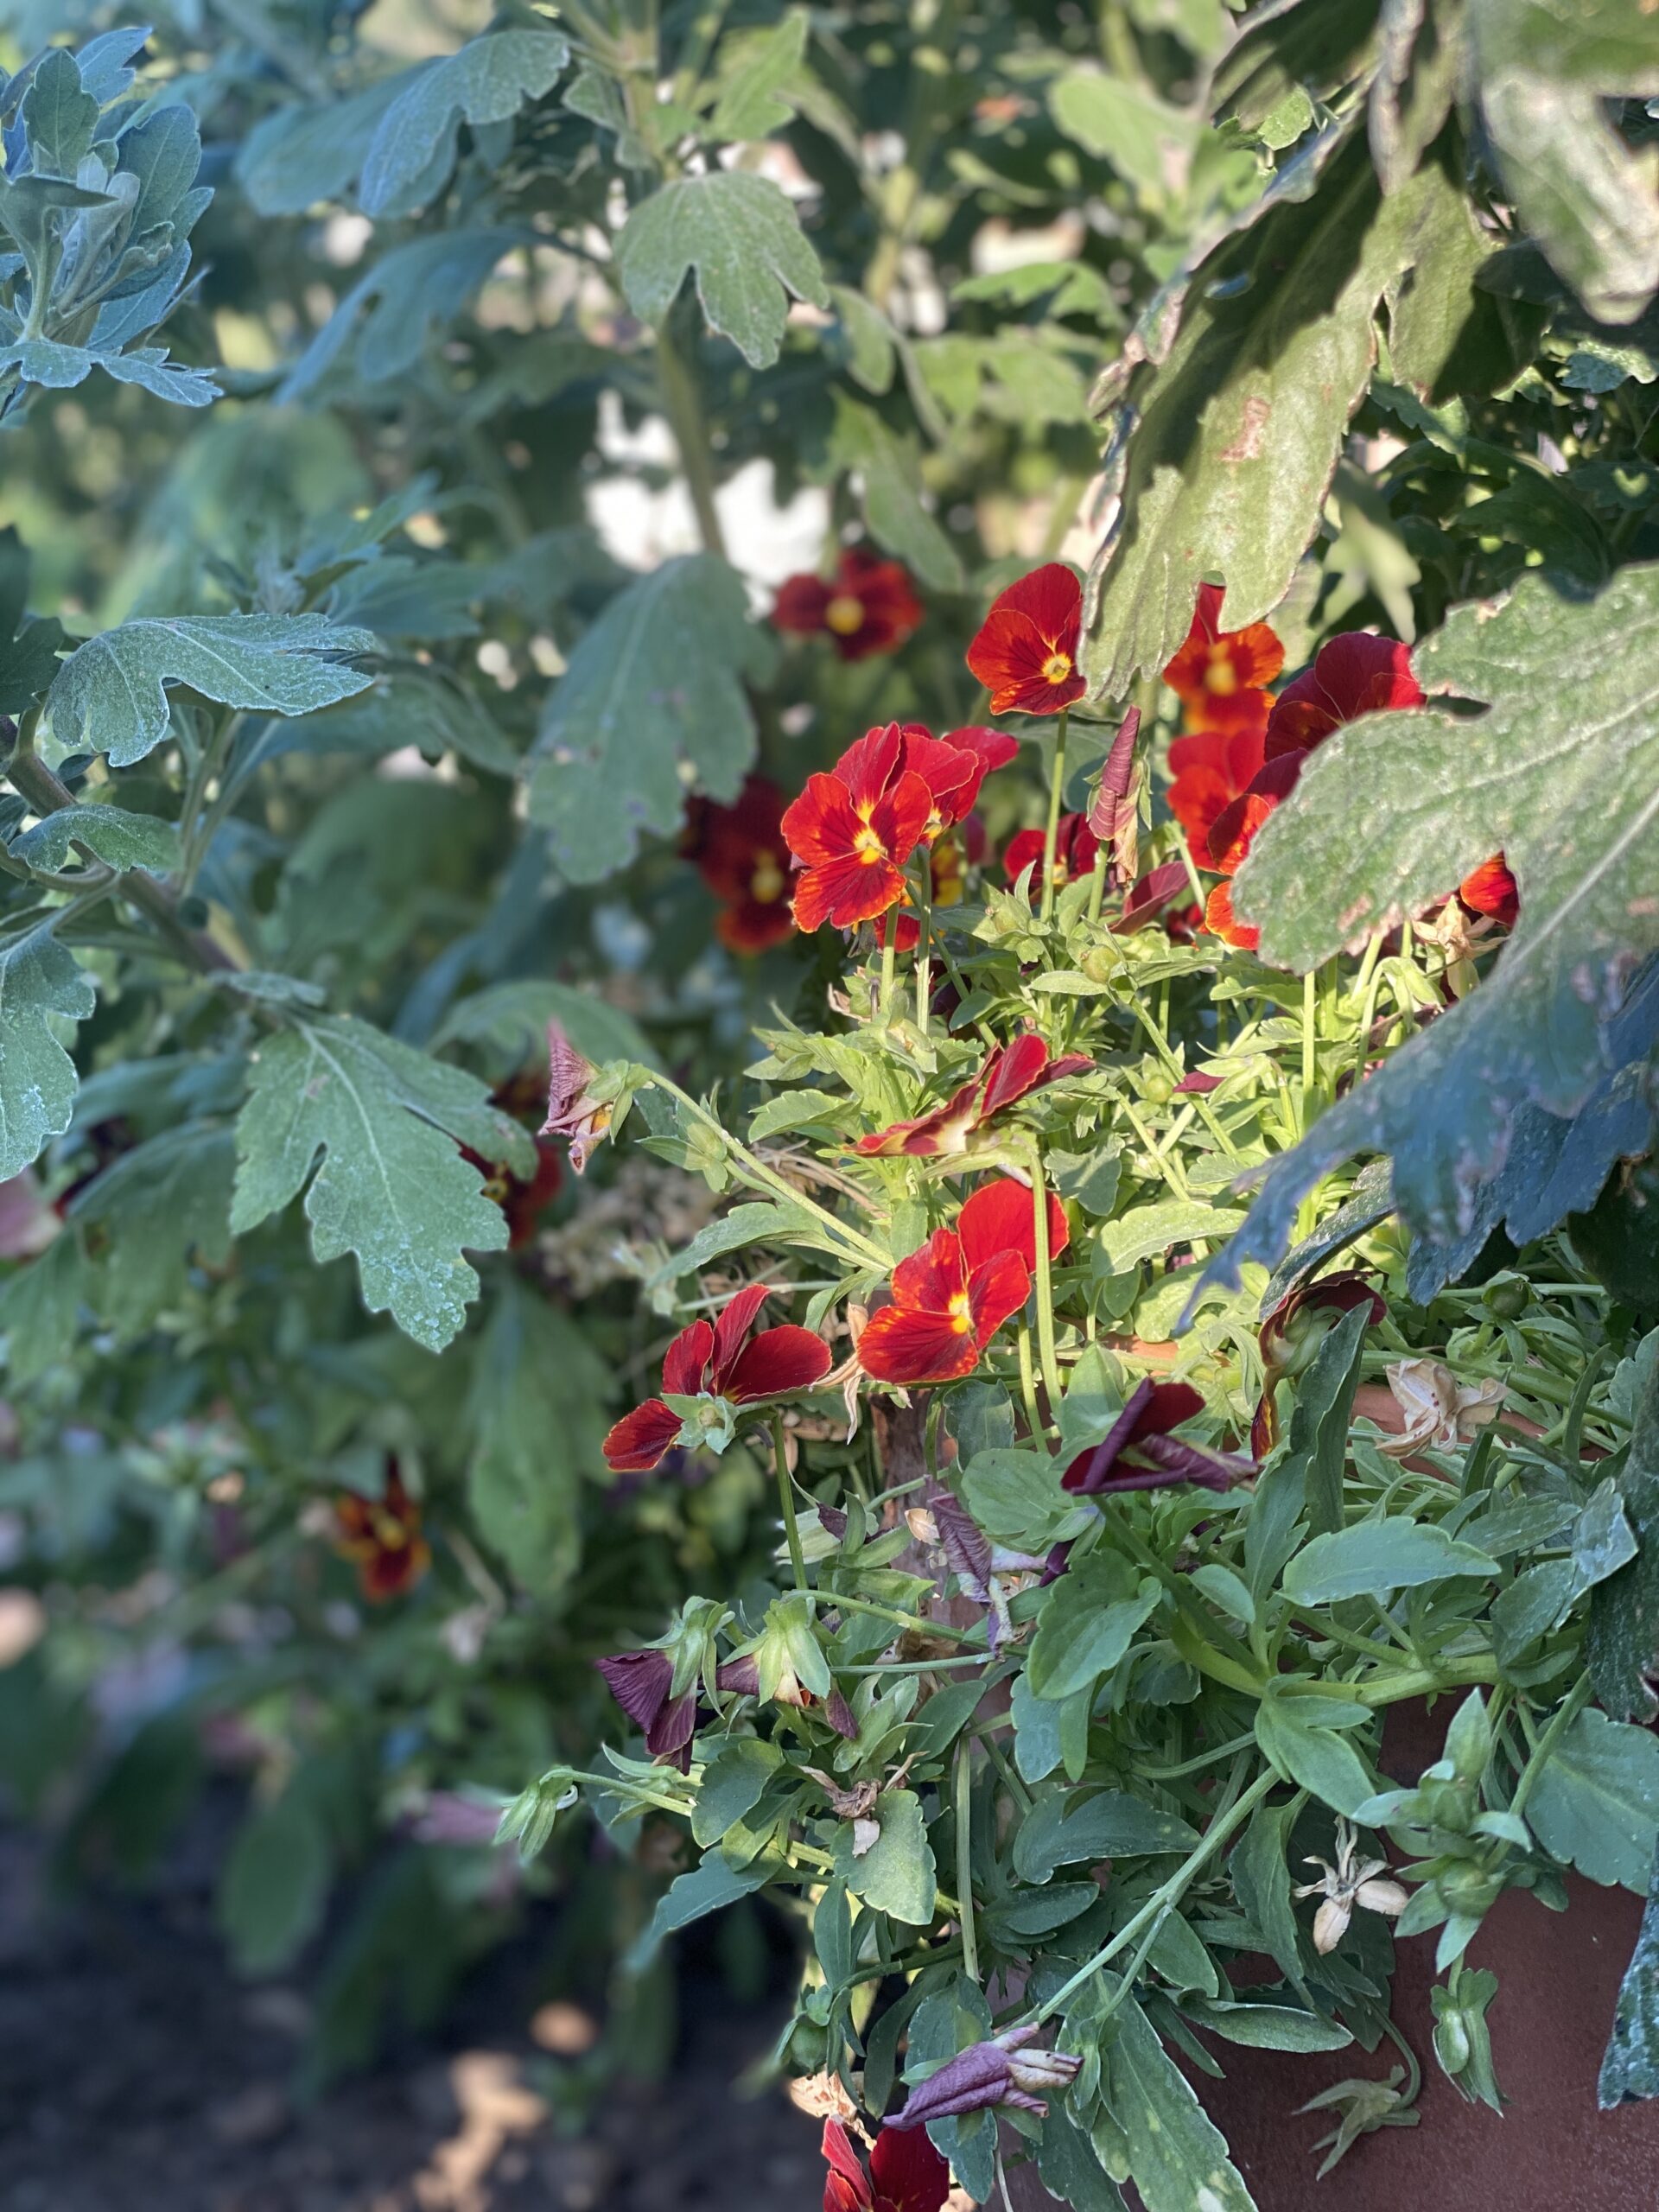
(1000, 2072)
(640, 1682)
(574, 1110)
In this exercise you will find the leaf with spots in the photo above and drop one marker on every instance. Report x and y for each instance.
(652, 704)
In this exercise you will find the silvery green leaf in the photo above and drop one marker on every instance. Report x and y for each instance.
(413, 149)
(744, 240)
(59, 116)
(39, 979)
(121, 839)
(409, 292)
(297, 156)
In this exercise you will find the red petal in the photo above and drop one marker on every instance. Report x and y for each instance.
(847, 892)
(1235, 828)
(822, 824)
(870, 765)
(908, 2172)
(997, 1288)
(798, 608)
(1149, 898)
(944, 1130)
(779, 1361)
(736, 1318)
(951, 772)
(899, 1345)
(1169, 1405)
(685, 1364)
(1221, 921)
(638, 1440)
(929, 1277)
(1355, 674)
(900, 817)
(1490, 889)
(844, 2164)
(991, 748)
(1023, 850)
(998, 1217)
(1050, 599)
(1012, 1071)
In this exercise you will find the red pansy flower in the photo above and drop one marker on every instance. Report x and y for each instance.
(1212, 768)
(1355, 674)
(1233, 833)
(1491, 890)
(740, 852)
(1008, 1074)
(1077, 851)
(951, 1296)
(382, 1538)
(1025, 653)
(871, 606)
(1220, 676)
(906, 2174)
(852, 839)
(640, 1682)
(721, 1361)
(1139, 1451)
(948, 861)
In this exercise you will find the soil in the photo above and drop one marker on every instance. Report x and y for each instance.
(136, 2071)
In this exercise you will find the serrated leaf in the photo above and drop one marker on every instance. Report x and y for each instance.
(56, 367)
(1562, 772)
(160, 1204)
(656, 682)
(111, 694)
(413, 149)
(1595, 1805)
(1372, 1558)
(1149, 142)
(742, 235)
(1148, 1232)
(114, 835)
(384, 1122)
(511, 1019)
(38, 979)
(59, 116)
(896, 1874)
(755, 92)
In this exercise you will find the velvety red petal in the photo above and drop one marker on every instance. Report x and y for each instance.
(685, 1364)
(902, 1346)
(640, 1681)
(999, 1287)
(798, 608)
(1235, 826)
(638, 1440)
(674, 1727)
(821, 825)
(846, 893)
(926, 1280)
(735, 1319)
(951, 772)
(845, 2166)
(754, 925)
(909, 2174)
(899, 817)
(1490, 889)
(1076, 845)
(991, 748)
(870, 765)
(998, 1217)
(944, 1130)
(1012, 1071)
(779, 1361)
(1355, 674)
(1166, 1408)
(1149, 898)
(1024, 851)
(1221, 921)
(1050, 599)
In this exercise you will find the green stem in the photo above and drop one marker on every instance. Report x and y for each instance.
(842, 1603)
(1046, 1348)
(1051, 833)
(924, 944)
(889, 968)
(1571, 1706)
(685, 419)
(964, 1794)
(1028, 1382)
(787, 1501)
(1310, 999)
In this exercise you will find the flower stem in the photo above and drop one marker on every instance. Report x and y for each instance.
(787, 1501)
(964, 1779)
(889, 964)
(1051, 834)
(1028, 1383)
(1045, 1345)
(842, 1603)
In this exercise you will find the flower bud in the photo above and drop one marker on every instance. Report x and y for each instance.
(1000, 2072)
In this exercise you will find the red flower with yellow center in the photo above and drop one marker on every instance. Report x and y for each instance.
(870, 607)
(1010, 1073)
(382, 1538)
(951, 1296)
(905, 2174)
(741, 854)
(1220, 676)
(721, 1361)
(1077, 852)
(1025, 653)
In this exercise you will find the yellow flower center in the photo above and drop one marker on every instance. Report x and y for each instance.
(844, 614)
(1057, 668)
(961, 1319)
(868, 846)
(766, 883)
(1221, 677)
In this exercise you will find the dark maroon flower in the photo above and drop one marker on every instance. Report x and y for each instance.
(1000, 2072)
(640, 1681)
(1139, 1451)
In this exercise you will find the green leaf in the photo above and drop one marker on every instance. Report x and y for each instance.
(1049, 1733)
(889, 485)
(1373, 1557)
(1561, 773)
(1261, 1882)
(1239, 429)
(28, 649)
(1318, 1423)
(1622, 1644)
(1629, 2066)
(711, 1885)
(760, 1222)
(160, 1203)
(655, 686)
(274, 1886)
(1148, 1232)
(296, 156)
(60, 116)
(111, 694)
(115, 836)
(412, 292)
(1069, 1829)
(896, 1874)
(413, 150)
(511, 1019)
(1595, 1805)
(732, 1786)
(61, 368)
(1088, 1623)
(1316, 1758)
(1149, 143)
(400, 708)
(754, 93)
(39, 1305)
(742, 235)
(1177, 2158)
(1267, 2027)
(385, 1122)
(38, 979)
(536, 1410)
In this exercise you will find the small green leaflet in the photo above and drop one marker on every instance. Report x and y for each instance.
(742, 237)
(1375, 1557)
(112, 834)
(413, 149)
(1316, 1758)
(711, 1885)
(392, 1188)
(1148, 1232)
(754, 95)
(38, 979)
(1088, 1623)
(656, 683)
(896, 1874)
(111, 694)
(1596, 1802)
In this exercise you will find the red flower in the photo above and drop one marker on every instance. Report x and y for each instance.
(1077, 850)
(1355, 674)
(1492, 890)
(1233, 833)
(1009, 1073)
(1026, 654)
(740, 852)
(951, 1296)
(1211, 768)
(640, 1682)
(870, 607)
(1220, 675)
(906, 2174)
(1139, 1451)
(717, 1362)
(382, 1538)
(853, 832)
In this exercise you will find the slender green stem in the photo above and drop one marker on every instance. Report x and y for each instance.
(1045, 1345)
(787, 1501)
(683, 408)
(965, 1797)
(1310, 1036)
(842, 1603)
(924, 944)
(889, 967)
(1028, 1382)
(1051, 833)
